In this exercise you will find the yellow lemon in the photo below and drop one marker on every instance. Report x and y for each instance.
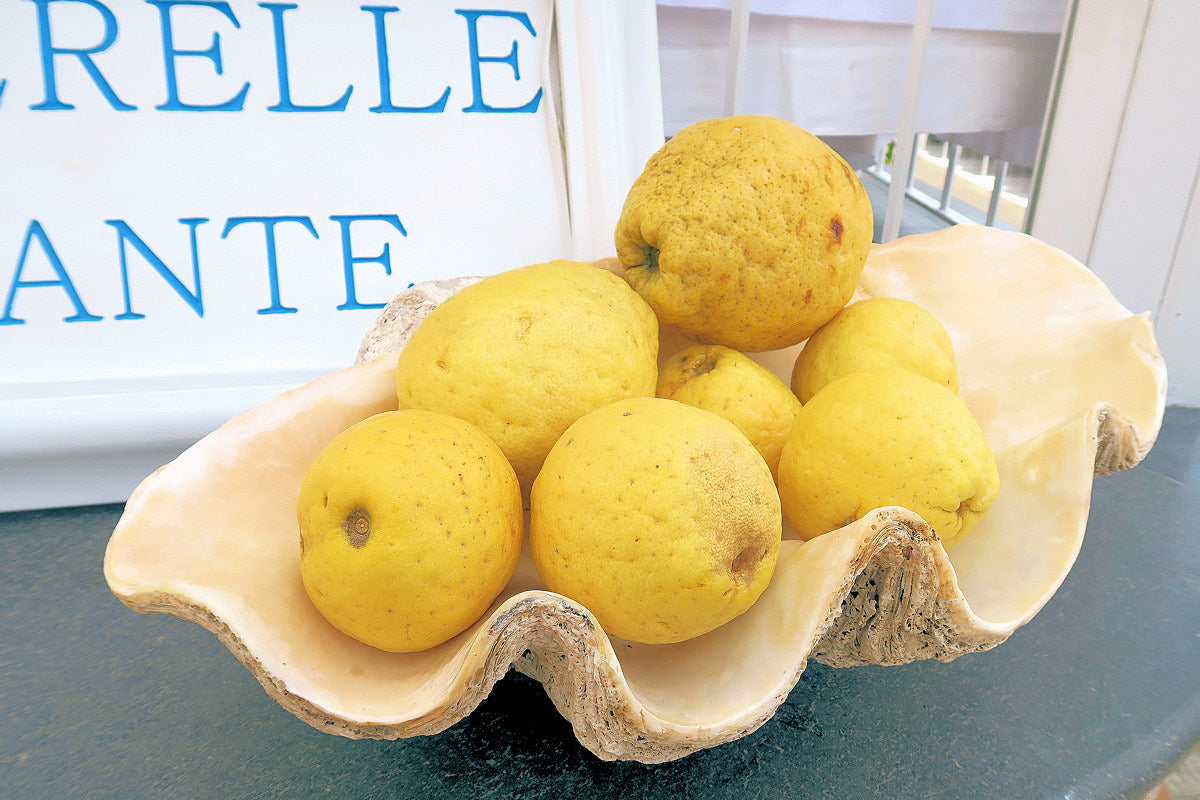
(884, 438)
(410, 525)
(525, 353)
(734, 386)
(660, 518)
(878, 333)
(745, 231)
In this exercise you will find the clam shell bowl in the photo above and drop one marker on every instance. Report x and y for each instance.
(1066, 383)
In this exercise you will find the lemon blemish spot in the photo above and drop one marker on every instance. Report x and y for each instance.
(836, 228)
(746, 561)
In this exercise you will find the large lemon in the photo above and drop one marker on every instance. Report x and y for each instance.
(410, 525)
(745, 231)
(878, 333)
(660, 518)
(525, 353)
(732, 385)
(884, 438)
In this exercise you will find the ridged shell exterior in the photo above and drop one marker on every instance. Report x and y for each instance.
(211, 537)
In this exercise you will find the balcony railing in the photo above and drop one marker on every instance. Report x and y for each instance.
(960, 184)
(860, 74)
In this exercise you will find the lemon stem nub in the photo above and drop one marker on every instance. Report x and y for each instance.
(358, 526)
(651, 262)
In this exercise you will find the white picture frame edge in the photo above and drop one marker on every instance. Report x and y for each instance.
(85, 444)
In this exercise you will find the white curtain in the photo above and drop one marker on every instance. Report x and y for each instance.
(837, 69)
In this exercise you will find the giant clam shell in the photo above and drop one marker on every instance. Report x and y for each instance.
(1065, 382)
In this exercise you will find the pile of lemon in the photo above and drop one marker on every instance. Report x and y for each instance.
(656, 496)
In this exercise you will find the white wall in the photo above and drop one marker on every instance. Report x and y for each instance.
(1121, 163)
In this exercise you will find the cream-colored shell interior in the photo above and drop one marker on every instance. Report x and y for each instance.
(1065, 382)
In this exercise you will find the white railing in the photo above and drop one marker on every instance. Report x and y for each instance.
(906, 146)
(986, 192)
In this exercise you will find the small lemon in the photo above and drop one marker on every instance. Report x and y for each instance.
(525, 353)
(878, 333)
(732, 385)
(745, 231)
(883, 438)
(660, 518)
(410, 525)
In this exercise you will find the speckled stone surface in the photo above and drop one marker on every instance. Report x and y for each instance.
(1097, 697)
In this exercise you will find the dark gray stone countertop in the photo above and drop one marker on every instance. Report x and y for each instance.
(1097, 697)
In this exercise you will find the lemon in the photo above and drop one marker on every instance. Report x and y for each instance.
(734, 386)
(745, 231)
(525, 353)
(883, 438)
(660, 518)
(410, 525)
(878, 333)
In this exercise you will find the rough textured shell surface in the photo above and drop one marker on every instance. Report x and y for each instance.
(1065, 382)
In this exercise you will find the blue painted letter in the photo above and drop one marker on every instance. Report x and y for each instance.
(349, 259)
(281, 67)
(268, 224)
(126, 234)
(84, 54)
(64, 280)
(213, 54)
(472, 18)
(385, 78)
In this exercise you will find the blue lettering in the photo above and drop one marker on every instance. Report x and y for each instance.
(126, 234)
(269, 224)
(84, 54)
(349, 259)
(478, 105)
(213, 54)
(35, 230)
(385, 79)
(281, 67)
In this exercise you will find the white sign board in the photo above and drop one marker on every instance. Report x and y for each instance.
(205, 202)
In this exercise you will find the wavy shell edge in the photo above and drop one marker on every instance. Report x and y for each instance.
(899, 567)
